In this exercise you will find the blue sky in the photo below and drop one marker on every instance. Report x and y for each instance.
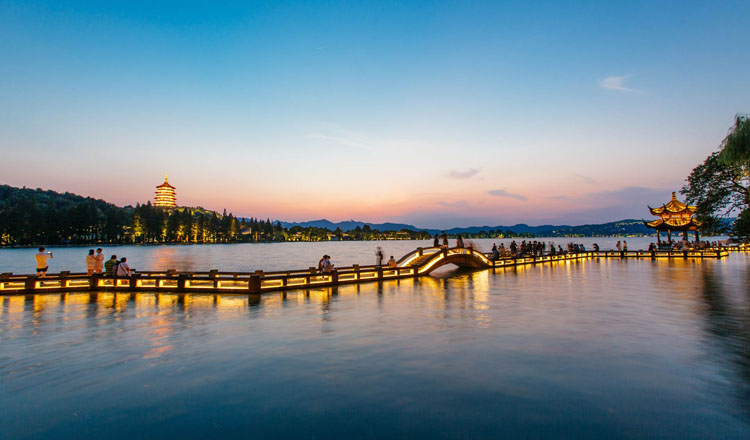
(434, 113)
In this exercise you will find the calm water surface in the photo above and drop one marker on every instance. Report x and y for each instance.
(258, 256)
(588, 349)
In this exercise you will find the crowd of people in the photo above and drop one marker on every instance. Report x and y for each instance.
(685, 245)
(536, 249)
(94, 261)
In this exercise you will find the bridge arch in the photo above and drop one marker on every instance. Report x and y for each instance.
(425, 260)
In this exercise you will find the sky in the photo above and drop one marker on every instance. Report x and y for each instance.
(437, 114)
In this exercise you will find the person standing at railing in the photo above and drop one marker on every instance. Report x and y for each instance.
(99, 266)
(445, 239)
(436, 241)
(495, 252)
(41, 262)
(90, 263)
(619, 246)
(624, 246)
(379, 256)
(459, 241)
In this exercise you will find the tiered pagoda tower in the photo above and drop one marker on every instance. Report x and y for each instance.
(165, 195)
(674, 216)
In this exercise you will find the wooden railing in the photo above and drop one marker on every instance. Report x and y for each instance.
(260, 281)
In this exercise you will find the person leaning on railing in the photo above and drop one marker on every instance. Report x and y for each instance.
(109, 266)
(123, 270)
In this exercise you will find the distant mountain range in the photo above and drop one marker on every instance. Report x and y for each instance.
(621, 227)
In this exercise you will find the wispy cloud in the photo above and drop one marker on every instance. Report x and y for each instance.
(617, 83)
(504, 193)
(337, 136)
(585, 179)
(459, 204)
(464, 174)
(341, 141)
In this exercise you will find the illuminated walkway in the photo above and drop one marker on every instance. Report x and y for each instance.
(417, 263)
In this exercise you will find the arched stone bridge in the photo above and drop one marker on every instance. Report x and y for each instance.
(425, 260)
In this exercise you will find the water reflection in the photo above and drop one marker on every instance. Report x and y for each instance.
(727, 319)
(595, 347)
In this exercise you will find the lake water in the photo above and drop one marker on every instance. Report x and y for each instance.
(603, 349)
(248, 257)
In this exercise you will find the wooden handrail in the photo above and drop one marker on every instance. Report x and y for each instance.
(259, 281)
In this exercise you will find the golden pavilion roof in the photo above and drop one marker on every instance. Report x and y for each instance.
(166, 184)
(674, 206)
(674, 224)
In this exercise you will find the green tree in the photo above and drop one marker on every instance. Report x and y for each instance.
(720, 186)
(735, 149)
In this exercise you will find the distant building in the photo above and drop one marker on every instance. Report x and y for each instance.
(165, 195)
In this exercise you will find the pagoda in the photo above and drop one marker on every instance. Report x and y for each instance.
(165, 195)
(674, 216)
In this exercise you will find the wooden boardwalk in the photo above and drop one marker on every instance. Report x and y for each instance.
(420, 262)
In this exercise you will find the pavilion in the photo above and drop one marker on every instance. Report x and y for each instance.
(674, 216)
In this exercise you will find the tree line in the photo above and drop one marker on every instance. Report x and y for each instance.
(34, 216)
(720, 186)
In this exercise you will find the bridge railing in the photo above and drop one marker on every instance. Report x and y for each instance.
(407, 259)
(259, 281)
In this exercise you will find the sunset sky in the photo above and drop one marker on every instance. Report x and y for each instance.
(437, 114)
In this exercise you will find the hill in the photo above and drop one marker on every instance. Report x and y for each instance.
(620, 227)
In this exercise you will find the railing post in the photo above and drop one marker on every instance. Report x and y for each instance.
(93, 281)
(132, 281)
(420, 252)
(181, 279)
(30, 282)
(355, 268)
(254, 285)
(213, 273)
(63, 281)
(379, 270)
(334, 276)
